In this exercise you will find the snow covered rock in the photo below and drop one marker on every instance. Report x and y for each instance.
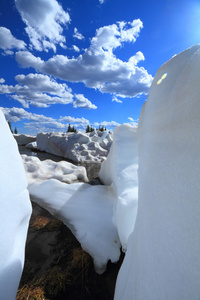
(15, 210)
(162, 260)
(23, 139)
(38, 171)
(79, 147)
(32, 145)
(120, 170)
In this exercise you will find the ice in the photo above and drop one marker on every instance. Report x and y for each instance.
(39, 171)
(120, 169)
(87, 210)
(78, 147)
(162, 260)
(15, 210)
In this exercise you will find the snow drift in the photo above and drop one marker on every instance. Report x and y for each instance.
(15, 210)
(78, 147)
(162, 260)
(38, 171)
(120, 170)
(24, 139)
(101, 217)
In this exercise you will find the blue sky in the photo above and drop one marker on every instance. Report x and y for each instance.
(86, 61)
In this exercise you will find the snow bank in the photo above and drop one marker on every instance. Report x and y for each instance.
(39, 171)
(98, 215)
(87, 211)
(162, 260)
(15, 210)
(78, 147)
(120, 169)
(23, 139)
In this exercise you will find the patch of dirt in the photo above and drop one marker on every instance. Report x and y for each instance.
(56, 267)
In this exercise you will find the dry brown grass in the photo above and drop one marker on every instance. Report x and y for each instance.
(31, 293)
(39, 222)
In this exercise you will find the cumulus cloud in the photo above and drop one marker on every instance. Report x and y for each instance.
(101, 1)
(38, 90)
(83, 102)
(16, 114)
(8, 41)
(77, 35)
(40, 123)
(26, 59)
(98, 67)
(111, 124)
(73, 120)
(2, 80)
(44, 21)
(76, 48)
(133, 122)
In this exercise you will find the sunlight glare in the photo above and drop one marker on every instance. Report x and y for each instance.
(162, 78)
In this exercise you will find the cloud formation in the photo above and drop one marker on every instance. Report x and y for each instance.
(16, 114)
(41, 123)
(115, 99)
(8, 41)
(44, 21)
(83, 102)
(77, 35)
(73, 120)
(111, 124)
(98, 67)
(76, 48)
(38, 90)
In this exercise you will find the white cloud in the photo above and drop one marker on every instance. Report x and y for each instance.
(83, 102)
(27, 59)
(115, 99)
(131, 119)
(38, 90)
(133, 122)
(41, 123)
(111, 124)
(2, 80)
(8, 52)
(101, 1)
(73, 120)
(99, 67)
(15, 114)
(8, 41)
(76, 48)
(44, 21)
(46, 126)
(77, 35)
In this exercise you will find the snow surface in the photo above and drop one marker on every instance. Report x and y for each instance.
(101, 217)
(78, 147)
(32, 145)
(87, 210)
(38, 171)
(120, 169)
(24, 139)
(15, 210)
(163, 255)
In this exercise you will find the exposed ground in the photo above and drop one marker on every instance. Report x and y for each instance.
(56, 268)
